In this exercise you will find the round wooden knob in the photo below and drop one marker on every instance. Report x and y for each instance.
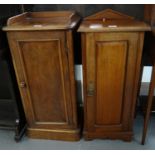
(22, 84)
(104, 19)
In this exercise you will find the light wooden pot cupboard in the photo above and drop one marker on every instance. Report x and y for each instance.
(112, 46)
(41, 45)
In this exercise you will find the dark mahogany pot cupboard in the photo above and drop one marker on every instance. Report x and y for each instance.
(112, 46)
(41, 45)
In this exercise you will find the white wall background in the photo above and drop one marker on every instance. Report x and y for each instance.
(145, 78)
(146, 74)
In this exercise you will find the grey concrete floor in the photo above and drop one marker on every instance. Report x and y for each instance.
(7, 142)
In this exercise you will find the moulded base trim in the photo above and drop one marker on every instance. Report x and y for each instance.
(66, 135)
(126, 136)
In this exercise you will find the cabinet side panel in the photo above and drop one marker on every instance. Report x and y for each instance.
(111, 65)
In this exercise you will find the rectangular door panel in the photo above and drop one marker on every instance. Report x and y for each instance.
(41, 62)
(110, 75)
(43, 67)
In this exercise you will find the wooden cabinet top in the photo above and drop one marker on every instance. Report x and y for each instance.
(31, 21)
(110, 20)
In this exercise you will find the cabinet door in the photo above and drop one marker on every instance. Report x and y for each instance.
(110, 75)
(41, 64)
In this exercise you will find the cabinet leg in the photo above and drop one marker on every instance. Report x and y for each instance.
(88, 139)
(149, 105)
(20, 130)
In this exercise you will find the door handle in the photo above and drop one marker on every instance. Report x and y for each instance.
(90, 90)
(22, 84)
